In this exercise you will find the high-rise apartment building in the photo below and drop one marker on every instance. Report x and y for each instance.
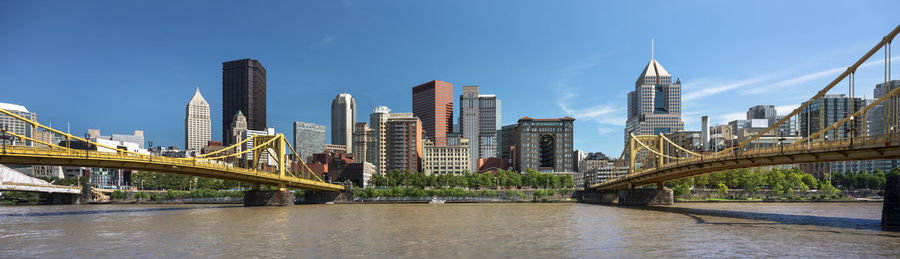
(196, 123)
(654, 106)
(343, 116)
(17, 126)
(545, 145)
(362, 138)
(432, 103)
(244, 90)
(404, 144)
(378, 121)
(309, 138)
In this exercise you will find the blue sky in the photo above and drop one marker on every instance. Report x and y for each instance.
(125, 65)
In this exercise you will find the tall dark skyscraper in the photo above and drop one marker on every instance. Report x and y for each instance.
(432, 102)
(243, 89)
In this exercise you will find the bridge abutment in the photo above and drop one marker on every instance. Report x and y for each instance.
(268, 198)
(62, 198)
(890, 212)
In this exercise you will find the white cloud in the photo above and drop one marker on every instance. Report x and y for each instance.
(725, 118)
(786, 109)
(715, 88)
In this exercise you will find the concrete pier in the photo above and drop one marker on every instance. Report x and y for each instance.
(268, 198)
(890, 212)
(600, 197)
(631, 197)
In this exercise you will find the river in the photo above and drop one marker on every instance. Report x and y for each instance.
(552, 230)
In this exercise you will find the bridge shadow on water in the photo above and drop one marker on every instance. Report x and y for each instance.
(774, 219)
(99, 212)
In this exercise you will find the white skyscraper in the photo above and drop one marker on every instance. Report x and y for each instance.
(654, 106)
(196, 123)
(343, 116)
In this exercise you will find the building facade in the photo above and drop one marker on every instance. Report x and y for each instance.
(17, 126)
(197, 123)
(343, 116)
(362, 138)
(378, 121)
(244, 90)
(404, 144)
(447, 159)
(469, 120)
(432, 103)
(875, 117)
(489, 108)
(309, 138)
(266, 158)
(546, 145)
(238, 126)
(654, 106)
(825, 111)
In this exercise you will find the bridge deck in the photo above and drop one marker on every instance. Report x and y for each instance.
(184, 166)
(862, 148)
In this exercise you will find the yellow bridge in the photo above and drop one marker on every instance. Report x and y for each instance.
(219, 164)
(653, 160)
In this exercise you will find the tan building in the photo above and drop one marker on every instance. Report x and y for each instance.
(238, 126)
(378, 120)
(446, 159)
(361, 142)
(196, 123)
(404, 143)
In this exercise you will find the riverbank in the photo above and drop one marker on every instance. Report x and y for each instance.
(776, 201)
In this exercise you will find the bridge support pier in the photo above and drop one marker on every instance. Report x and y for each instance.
(62, 198)
(630, 197)
(600, 197)
(268, 198)
(890, 212)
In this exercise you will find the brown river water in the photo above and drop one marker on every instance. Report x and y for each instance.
(553, 230)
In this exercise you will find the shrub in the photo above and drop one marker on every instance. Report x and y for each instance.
(117, 194)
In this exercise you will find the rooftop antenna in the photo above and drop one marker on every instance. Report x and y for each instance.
(651, 49)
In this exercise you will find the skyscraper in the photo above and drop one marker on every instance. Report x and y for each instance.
(654, 106)
(309, 138)
(488, 124)
(432, 102)
(479, 120)
(243, 89)
(237, 127)
(469, 122)
(343, 116)
(196, 123)
(378, 120)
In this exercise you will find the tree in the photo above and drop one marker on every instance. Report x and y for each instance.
(723, 190)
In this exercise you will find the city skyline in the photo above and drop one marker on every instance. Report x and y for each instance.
(582, 80)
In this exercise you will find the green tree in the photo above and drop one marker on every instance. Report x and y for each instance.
(723, 190)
